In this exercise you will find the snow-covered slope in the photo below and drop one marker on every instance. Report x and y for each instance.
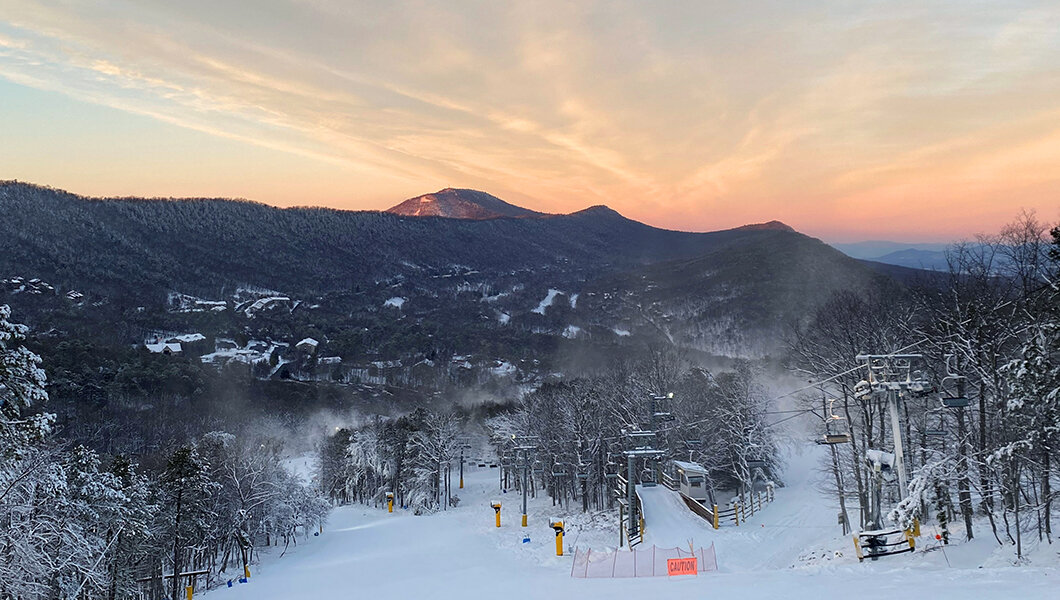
(776, 537)
(368, 553)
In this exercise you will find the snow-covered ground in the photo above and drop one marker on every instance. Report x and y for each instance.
(786, 550)
(546, 302)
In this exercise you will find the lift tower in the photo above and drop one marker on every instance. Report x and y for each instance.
(893, 376)
(525, 446)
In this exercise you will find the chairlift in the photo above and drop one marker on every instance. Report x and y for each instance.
(935, 432)
(835, 438)
(951, 397)
(756, 463)
(829, 437)
(559, 471)
(647, 477)
(538, 467)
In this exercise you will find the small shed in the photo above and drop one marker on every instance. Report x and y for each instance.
(693, 480)
(308, 345)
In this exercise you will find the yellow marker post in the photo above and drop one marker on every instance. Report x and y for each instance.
(246, 571)
(524, 519)
(715, 516)
(189, 591)
(736, 514)
(916, 527)
(390, 502)
(497, 509)
(558, 527)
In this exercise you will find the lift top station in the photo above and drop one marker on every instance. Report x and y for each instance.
(693, 480)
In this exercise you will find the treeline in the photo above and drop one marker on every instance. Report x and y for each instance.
(578, 428)
(995, 323)
(75, 524)
(413, 456)
(581, 428)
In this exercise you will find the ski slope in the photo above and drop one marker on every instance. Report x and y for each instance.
(775, 537)
(460, 554)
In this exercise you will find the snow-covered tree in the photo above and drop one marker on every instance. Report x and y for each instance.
(21, 386)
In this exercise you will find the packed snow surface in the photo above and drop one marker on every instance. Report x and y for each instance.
(790, 549)
(547, 302)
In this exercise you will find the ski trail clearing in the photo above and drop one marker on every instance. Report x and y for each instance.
(772, 538)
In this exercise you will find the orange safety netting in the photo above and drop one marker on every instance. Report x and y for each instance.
(637, 562)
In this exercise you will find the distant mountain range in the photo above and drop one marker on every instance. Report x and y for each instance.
(485, 270)
(928, 256)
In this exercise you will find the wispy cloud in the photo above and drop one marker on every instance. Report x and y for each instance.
(688, 115)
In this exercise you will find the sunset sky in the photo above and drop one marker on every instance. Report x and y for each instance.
(920, 120)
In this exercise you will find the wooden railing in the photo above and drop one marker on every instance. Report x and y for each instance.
(736, 514)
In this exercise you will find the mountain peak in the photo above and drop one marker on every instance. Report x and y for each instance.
(455, 203)
(599, 210)
(768, 226)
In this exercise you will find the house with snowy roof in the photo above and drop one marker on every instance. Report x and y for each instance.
(308, 345)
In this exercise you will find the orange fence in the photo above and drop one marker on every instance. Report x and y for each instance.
(638, 562)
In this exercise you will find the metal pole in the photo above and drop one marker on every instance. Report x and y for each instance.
(896, 432)
(525, 465)
(630, 486)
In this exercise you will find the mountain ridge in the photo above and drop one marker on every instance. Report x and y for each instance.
(483, 275)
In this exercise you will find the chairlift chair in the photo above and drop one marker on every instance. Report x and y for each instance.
(950, 397)
(835, 438)
(935, 432)
(829, 437)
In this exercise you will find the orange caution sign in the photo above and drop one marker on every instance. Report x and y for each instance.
(681, 566)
